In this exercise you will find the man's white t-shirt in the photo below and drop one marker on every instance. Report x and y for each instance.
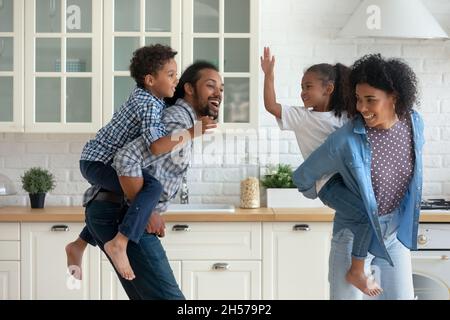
(311, 129)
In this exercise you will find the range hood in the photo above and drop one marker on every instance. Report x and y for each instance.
(408, 19)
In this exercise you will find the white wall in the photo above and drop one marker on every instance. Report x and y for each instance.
(300, 33)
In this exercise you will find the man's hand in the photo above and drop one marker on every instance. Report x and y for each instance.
(156, 225)
(207, 123)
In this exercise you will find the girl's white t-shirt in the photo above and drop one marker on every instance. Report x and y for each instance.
(311, 129)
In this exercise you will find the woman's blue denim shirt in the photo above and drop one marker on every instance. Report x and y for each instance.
(347, 152)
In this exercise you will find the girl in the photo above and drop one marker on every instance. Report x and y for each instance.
(324, 94)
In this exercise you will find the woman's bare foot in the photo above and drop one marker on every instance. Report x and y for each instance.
(116, 249)
(366, 284)
(74, 252)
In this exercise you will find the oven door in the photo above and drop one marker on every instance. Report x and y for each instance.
(431, 275)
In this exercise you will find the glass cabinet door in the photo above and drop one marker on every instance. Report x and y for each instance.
(129, 25)
(63, 76)
(224, 32)
(11, 65)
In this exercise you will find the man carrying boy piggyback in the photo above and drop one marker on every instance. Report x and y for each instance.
(155, 71)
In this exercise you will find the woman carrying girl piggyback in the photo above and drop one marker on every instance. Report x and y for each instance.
(325, 95)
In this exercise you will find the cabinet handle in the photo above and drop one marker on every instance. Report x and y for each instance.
(443, 257)
(60, 227)
(181, 227)
(301, 227)
(221, 266)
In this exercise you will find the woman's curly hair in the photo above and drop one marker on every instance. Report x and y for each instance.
(149, 60)
(390, 75)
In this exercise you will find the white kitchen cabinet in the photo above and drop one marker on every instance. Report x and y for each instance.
(111, 286)
(63, 62)
(44, 272)
(295, 260)
(11, 65)
(222, 280)
(9, 261)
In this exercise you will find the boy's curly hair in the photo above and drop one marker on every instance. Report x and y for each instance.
(390, 75)
(149, 60)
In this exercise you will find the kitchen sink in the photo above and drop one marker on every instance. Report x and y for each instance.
(201, 207)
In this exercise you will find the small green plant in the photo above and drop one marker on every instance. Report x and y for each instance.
(279, 176)
(38, 180)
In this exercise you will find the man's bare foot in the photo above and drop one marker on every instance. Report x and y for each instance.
(74, 252)
(366, 284)
(117, 252)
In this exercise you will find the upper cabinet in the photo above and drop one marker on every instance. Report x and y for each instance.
(63, 65)
(72, 73)
(11, 65)
(128, 25)
(224, 32)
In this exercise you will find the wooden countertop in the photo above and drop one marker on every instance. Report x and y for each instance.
(76, 214)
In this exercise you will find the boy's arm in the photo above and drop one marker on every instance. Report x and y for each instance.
(270, 102)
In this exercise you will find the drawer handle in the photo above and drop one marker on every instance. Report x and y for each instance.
(60, 227)
(181, 227)
(301, 227)
(221, 266)
(443, 257)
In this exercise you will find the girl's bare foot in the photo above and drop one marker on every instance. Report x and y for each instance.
(74, 252)
(116, 249)
(366, 284)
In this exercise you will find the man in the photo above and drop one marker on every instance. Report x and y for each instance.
(198, 93)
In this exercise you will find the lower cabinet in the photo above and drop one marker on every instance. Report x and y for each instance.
(9, 261)
(111, 286)
(295, 260)
(44, 272)
(210, 260)
(222, 280)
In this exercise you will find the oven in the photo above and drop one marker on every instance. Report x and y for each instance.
(431, 263)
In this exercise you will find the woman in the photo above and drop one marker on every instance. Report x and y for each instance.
(378, 156)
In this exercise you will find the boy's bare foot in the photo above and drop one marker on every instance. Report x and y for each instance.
(74, 252)
(366, 284)
(116, 249)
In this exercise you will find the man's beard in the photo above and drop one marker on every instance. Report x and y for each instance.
(204, 110)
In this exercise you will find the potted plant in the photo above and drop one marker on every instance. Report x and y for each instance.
(281, 191)
(37, 182)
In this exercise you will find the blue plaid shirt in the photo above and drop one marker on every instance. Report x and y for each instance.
(168, 168)
(140, 115)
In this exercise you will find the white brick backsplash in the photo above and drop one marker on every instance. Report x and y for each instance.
(223, 175)
(432, 190)
(300, 33)
(432, 161)
(206, 189)
(11, 148)
(48, 148)
(56, 200)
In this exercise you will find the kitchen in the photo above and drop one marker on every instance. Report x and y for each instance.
(257, 244)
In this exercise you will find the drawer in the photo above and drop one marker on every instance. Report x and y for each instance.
(10, 250)
(9, 231)
(206, 240)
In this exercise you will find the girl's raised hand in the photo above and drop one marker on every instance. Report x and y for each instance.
(267, 62)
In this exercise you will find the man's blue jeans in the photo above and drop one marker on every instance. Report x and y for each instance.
(135, 221)
(154, 276)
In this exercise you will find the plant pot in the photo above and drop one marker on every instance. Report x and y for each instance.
(37, 200)
(290, 198)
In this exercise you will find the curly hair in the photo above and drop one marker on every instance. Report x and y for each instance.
(149, 60)
(393, 76)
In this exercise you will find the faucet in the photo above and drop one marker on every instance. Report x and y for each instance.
(184, 194)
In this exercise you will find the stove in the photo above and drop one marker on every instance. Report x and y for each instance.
(435, 204)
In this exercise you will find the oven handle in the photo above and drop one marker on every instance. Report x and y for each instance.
(443, 257)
